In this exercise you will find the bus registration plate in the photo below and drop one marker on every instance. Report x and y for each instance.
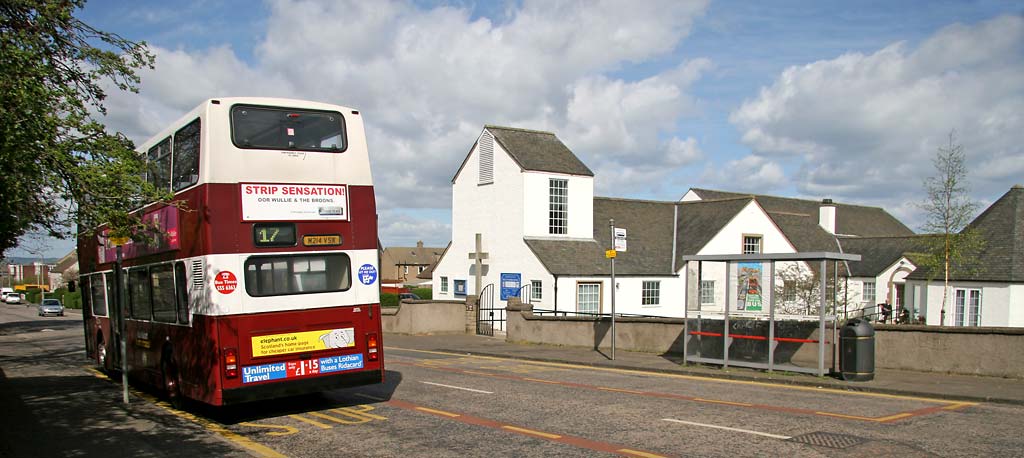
(321, 240)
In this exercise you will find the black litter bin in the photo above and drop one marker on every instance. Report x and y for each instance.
(857, 350)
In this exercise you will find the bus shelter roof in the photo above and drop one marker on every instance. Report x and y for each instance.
(808, 256)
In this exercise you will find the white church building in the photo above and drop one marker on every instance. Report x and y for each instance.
(543, 234)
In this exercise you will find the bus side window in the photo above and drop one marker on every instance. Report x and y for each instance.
(181, 285)
(186, 156)
(162, 280)
(83, 288)
(95, 293)
(141, 302)
(159, 171)
(108, 299)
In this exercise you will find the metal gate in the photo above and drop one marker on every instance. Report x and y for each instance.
(488, 317)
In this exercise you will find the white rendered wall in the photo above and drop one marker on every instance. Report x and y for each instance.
(995, 303)
(1016, 306)
(536, 194)
(628, 296)
(496, 212)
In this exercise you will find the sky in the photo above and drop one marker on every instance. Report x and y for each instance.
(815, 99)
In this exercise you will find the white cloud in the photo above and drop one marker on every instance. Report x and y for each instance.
(752, 173)
(427, 80)
(866, 126)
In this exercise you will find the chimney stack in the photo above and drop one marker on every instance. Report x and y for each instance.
(827, 216)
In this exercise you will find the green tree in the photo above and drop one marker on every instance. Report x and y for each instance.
(948, 211)
(60, 166)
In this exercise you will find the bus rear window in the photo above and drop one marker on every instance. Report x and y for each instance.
(297, 274)
(276, 128)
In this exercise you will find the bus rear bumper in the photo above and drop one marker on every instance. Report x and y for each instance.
(287, 388)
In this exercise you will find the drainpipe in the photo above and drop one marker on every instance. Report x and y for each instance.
(556, 291)
(675, 222)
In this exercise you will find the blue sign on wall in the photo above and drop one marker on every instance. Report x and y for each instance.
(510, 284)
(460, 288)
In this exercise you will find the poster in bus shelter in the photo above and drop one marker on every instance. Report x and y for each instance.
(161, 235)
(748, 281)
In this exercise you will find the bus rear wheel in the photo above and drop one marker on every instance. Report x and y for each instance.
(172, 386)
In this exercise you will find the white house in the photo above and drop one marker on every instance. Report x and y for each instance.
(531, 201)
(990, 292)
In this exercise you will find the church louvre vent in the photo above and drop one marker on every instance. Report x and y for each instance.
(197, 274)
(830, 440)
(486, 158)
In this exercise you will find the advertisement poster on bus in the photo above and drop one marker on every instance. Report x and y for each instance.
(748, 280)
(303, 202)
(299, 342)
(161, 234)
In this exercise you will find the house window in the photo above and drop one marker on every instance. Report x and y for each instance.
(650, 293)
(968, 307)
(420, 269)
(751, 244)
(536, 291)
(869, 292)
(707, 292)
(406, 270)
(444, 284)
(558, 206)
(588, 298)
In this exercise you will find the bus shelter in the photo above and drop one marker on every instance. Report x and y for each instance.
(774, 311)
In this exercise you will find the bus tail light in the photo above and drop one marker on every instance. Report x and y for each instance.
(371, 347)
(230, 363)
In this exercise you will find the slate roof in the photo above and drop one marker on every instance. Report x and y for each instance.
(538, 151)
(850, 219)
(878, 253)
(648, 226)
(413, 256)
(700, 221)
(534, 150)
(1001, 225)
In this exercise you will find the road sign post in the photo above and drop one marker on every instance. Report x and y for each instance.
(119, 303)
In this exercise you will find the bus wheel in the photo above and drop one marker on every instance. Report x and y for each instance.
(172, 389)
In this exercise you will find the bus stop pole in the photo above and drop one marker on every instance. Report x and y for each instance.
(611, 223)
(120, 327)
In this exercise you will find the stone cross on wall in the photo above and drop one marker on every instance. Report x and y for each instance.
(479, 257)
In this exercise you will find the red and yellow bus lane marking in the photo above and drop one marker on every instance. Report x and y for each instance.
(516, 429)
(944, 405)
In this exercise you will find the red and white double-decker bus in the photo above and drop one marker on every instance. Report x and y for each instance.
(263, 280)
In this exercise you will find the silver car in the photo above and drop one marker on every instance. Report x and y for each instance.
(51, 307)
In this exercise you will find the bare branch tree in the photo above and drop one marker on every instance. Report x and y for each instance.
(949, 210)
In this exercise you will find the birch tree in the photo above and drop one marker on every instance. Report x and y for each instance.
(948, 212)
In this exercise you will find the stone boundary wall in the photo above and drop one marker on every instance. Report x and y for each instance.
(425, 317)
(987, 351)
(996, 352)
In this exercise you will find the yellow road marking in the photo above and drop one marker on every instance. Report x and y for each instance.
(892, 417)
(257, 449)
(439, 412)
(531, 432)
(959, 405)
(731, 403)
(839, 415)
(358, 419)
(361, 410)
(553, 382)
(288, 430)
(694, 377)
(620, 390)
(312, 422)
(639, 453)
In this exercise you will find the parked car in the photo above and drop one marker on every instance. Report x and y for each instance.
(51, 307)
(410, 296)
(12, 298)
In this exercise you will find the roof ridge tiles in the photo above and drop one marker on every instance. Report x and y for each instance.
(518, 129)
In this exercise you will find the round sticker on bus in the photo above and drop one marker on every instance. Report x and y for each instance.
(367, 274)
(225, 282)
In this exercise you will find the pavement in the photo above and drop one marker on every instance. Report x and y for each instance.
(888, 381)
